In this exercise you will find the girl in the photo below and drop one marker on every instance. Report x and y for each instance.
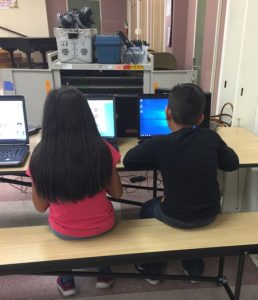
(72, 169)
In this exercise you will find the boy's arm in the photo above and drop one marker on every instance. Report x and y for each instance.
(227, 158)
(140, 157)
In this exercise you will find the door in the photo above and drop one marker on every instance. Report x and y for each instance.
(232, 43)
(246, 92)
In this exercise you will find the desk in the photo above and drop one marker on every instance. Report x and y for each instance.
(125, 144)
(237, 193)
(20, 171)
(243, 142)
(240, 139)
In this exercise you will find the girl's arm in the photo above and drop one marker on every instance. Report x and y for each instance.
(114, 188)
(40, 204)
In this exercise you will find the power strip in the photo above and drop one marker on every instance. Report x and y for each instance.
(137, 179)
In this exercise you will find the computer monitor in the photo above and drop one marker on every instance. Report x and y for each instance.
(207, 109)
(151, 113)
(103, 110)
(13, 121)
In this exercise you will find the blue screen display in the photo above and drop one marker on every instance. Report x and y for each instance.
(103, 112)
(152, 117)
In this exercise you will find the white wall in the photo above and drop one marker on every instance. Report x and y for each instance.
(29, 19)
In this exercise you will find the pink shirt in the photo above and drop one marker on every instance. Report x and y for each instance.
(88, 217)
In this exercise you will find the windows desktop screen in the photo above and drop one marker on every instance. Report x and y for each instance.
(152, 117)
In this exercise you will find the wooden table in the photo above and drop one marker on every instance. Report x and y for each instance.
(243, 142)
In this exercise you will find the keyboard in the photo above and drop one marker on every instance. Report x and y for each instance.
(13, 155)
(10, 152)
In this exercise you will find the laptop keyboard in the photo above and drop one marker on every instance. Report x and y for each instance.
(11, 156)
(10, 152)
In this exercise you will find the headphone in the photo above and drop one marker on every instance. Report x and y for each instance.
(76, 18)
(65, 20)
(84, 18)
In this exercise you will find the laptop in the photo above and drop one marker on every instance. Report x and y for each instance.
(103, 110)
(151, 116)
(14, 140)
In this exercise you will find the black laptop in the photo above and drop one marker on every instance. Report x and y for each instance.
(151, 115)
(103, 110)
(14, 141)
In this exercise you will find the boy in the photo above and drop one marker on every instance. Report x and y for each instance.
(188, 159)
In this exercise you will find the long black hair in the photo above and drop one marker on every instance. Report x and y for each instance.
(71, 161)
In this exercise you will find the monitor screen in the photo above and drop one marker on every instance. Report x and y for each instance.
(207, 109)
(13, 126)
(152, 118)
(104, 114)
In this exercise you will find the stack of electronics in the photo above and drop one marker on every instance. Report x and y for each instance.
(74, 35)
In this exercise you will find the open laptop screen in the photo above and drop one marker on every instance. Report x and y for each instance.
(152, 118)
(13, 122)
(103, 110)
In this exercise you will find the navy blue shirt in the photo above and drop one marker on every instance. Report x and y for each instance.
(188, 160)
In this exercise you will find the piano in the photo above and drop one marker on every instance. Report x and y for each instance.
(28, 45)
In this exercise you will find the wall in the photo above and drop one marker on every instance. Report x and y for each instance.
(219, 56)
(54, 7)
(179, 32)
(114, 14)
(190, 32)
(208, 44)
(168, 19)
(29, 19)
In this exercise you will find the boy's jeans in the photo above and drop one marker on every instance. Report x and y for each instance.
(152, 209)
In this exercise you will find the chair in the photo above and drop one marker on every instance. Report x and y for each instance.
(164, 61)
